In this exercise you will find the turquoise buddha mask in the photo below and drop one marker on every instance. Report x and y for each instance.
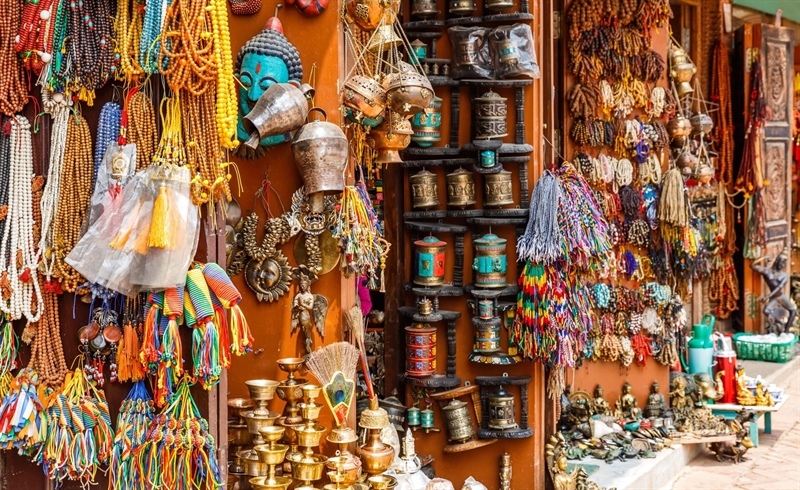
(257, 74)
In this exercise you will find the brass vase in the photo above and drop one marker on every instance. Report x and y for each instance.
(376, 457)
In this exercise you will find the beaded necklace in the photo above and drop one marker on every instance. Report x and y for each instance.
(128, 35)
(47, 349)
(150, 38)
(30, 37)
(19, 269)
(108, 126)
(13, 92)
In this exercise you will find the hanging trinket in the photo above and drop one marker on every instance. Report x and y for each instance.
(133, 424)
(408, 92)
(430, 261)
(391, 136)
(498, 189)
(360, 236)
(489, 263)
(460, 188)
(424, 190)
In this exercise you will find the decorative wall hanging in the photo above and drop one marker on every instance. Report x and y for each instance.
(267, 271)
(308, 310)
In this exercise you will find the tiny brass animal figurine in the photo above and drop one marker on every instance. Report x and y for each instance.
(779, 309)
(308, 309)
(735, 451)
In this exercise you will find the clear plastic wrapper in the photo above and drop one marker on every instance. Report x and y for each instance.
(471, 57)
(513, 51)
(440, 484)
(473, 484)
(148, 240)
(119, 165)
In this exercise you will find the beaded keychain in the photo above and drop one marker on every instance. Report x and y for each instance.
(178, 452)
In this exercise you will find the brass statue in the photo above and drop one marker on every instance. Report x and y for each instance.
(779, 309)
(735, 451)
(655, 402)
(763, 398)
(627, 401)
(743, 394)
(601, 406)
(308, 310)
(556, 459)
(719, 386)
(677, 397)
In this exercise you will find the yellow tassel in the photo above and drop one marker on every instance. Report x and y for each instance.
(159, 227)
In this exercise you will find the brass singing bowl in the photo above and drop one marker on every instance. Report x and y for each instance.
(271, 456)
(309, 468)
(264, 483)
(262, 389)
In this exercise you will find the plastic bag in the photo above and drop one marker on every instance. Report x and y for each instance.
(440, 484)
(473, 484)
(513, 51)
(471, 58)
(119, 164)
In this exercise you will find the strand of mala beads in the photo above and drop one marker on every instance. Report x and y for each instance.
(151, 39)
(19, 280)
(5, 170)
(128, 34)
(209, 180)
(47, 349)
(133, 424)
(227, 111)
(179, 451)
(80, 419)
(723, 126)
(108, 126)
(73, 199)
(29, 43)
(187, 47)
(13, 91)
(22, 416)
(141, 127)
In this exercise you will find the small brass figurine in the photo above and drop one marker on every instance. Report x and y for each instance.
(743, 394)
(601, 406)
(763, 398)
(779, 309)
(505, 472)
(627, 401)
(556, 459)
(308, 310)
(655, 402)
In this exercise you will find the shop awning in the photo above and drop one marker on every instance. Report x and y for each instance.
(790, 8)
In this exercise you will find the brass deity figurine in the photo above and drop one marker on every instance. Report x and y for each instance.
(763, 398)
(556, 459)
(655, 402)
(779, 309)
(308, 309)
(601, 406)
(627, 402)
(743, 394)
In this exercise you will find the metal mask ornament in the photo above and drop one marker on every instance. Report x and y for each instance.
(312, 215)
(308, 310)
(267, 272)
(265, 60)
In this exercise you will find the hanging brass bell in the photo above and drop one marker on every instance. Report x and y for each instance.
(499, 5)
(281, 109)
(498, 189)
(424, 190)
(320, 152)
(383, 39)
(681, 70)
(424, 8)
(460, 188)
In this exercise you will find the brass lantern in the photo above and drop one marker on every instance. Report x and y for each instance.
(460, 188)
(498, 190)
(681, 70)
(391, 136)
(490, 116)
(365, 96)
(424, 190)
(383, 39)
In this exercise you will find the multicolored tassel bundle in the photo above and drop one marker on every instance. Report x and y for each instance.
(566, 238)
(80, 435)
(229, 297)
(359, 233)
(8, 347)
(133, 424)
(22, 419)
(161, 342)
(199, 315)
(178, 452)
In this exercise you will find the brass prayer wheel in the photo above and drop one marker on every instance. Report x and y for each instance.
(498, 189)
(489, 263)
(501, 410)
(468, 53)
(426, 124)
(424, 190)
(424, 8)
(508, 52)
(430, 257)
(499, 5)
(490, 116)
(462, 7)
(457, 421)
(460, 188)
(396, 411)
(420, 350)
(425, 306)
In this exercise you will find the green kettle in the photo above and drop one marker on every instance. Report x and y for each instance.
(701, 333)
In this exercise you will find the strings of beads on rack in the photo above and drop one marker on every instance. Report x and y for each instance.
(32, 36)
(128, 26)
(13, 91)
(139, 127)
(47, 349)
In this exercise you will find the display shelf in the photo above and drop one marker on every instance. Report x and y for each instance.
(463, 21)
(415, 25)
(465, 213)
(429, 151)
(499, 221)
(429, 214)
(506, 18)
(433, 382)
(444, 162)
(481, 293)
(506, 148)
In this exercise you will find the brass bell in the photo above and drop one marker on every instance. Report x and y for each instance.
(320, 152)
(383, 39)
(498, 189)
(460, 188)
(424, 190)
(462, 7)
(424, 8)
(490, 116)
(281, 109)
(499, 5)
(681, 70)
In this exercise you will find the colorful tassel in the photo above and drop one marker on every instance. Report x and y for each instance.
(161, 225)
(133, 424)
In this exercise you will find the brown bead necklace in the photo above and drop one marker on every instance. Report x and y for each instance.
(13, 94)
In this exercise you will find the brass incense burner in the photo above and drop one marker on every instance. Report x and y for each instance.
(681, 70)
(391, 136)
(344, 464)
(365, 96)
(408, 92)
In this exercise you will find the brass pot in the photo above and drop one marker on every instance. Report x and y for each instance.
(491, 113)
(460, 188)
(408, 92)
(424, 8)
(365, 96)
(320, 152)
(701, 124)
(391, 136)
(376, 457)
(457, 421)
(679, 126)
(424, 190)
(498, 189)
(367, 14)
(281, 109)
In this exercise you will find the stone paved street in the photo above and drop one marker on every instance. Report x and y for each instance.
(774, 465)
